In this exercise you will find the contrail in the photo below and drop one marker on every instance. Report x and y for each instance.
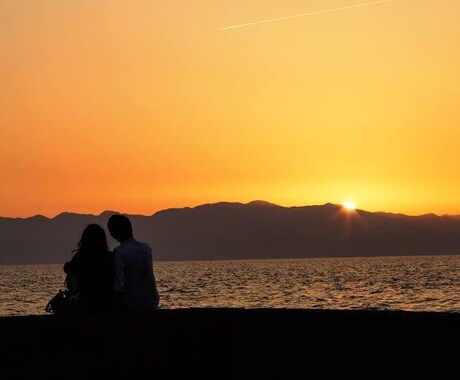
(301, 15)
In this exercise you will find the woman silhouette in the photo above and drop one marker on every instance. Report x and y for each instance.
(90, 272)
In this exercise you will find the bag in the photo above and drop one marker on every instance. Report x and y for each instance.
(61, 304)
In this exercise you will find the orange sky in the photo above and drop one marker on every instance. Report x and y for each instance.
(142, 105)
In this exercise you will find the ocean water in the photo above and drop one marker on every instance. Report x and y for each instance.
(392, 283)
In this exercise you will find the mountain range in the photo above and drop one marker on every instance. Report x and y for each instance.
(233, 231)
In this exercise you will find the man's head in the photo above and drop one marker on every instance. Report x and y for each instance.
(120, 227)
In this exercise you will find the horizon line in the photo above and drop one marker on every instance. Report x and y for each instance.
(216, 203)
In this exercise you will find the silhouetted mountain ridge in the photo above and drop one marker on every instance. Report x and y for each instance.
(230, 230)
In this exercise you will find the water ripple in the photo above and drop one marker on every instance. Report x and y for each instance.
(404, 283)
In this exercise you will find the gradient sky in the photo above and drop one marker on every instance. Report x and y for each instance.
(143, 105)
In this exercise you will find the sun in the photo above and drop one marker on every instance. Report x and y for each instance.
(349, 205)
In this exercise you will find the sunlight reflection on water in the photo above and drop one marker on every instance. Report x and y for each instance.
(404, 283)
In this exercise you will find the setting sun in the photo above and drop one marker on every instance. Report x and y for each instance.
(150, 107)
(349, 205)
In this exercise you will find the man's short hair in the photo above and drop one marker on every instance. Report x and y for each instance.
(120, 227)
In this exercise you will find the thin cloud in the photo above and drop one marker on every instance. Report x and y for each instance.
(301, 15)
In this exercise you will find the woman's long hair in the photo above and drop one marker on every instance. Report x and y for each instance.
(93, 243)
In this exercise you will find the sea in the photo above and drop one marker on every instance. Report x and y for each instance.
(379, 283)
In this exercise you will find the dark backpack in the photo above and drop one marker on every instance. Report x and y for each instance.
(61, 304)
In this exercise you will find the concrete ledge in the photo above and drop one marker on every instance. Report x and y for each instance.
(231, 343)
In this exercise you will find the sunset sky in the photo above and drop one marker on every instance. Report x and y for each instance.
(143, 105)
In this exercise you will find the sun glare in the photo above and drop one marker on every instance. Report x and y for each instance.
(349, 205)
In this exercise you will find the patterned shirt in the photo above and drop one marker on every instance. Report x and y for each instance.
(134, 277)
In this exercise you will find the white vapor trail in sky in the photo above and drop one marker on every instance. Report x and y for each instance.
(301, 15)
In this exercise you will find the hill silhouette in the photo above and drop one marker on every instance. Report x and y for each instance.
(227, 231)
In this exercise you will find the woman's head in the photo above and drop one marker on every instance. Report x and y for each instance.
(93, 239)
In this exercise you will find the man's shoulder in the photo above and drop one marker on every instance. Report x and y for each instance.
(132, 245)
(118, 251)
(145, 246)
(137, 244)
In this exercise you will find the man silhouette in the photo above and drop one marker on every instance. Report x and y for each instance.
(134, 283)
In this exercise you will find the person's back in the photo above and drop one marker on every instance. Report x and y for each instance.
(91, 272)
(134, 277)
(92, 281)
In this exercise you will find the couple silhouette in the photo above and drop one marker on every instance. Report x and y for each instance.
(101, 281)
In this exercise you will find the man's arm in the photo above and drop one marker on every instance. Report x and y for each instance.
(118, 281)
(120, 269)
(156, 296)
